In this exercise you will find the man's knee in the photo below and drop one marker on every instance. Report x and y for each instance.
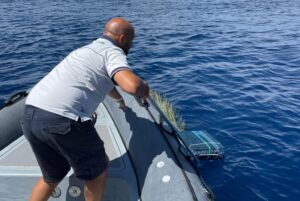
(100, 179)
(102, 175)
(50, 184)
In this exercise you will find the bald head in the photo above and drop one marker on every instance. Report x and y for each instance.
(121, 31)
(118, 26)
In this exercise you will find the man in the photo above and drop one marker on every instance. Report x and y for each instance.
(57, 116)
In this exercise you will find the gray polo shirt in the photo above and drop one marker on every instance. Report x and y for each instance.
(80, 82)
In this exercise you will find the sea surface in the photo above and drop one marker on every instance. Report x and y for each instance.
(230, 67)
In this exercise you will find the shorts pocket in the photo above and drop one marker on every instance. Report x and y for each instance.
(27, 113)
(61, 128)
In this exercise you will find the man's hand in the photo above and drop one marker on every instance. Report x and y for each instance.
(144, 90)
(121, 104)
(117, 98)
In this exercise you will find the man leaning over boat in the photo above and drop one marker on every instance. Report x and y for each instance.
(58, 110)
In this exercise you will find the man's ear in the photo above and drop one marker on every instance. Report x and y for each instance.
(122, 38)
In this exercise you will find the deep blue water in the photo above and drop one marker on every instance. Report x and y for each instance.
(231, 67)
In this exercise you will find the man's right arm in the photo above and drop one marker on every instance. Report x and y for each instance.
(131, 83)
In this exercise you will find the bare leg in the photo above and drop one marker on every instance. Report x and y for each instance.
(42, 190)
(93, 190)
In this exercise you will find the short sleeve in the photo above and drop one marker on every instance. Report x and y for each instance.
(116, 61)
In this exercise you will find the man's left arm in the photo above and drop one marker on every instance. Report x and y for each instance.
(117, 97)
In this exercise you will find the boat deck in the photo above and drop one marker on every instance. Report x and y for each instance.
(19, 169)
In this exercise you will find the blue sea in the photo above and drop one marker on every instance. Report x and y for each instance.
(230, 67)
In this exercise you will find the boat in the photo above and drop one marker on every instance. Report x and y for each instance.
(146, 158)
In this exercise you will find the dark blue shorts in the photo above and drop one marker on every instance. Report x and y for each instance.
(60, 143)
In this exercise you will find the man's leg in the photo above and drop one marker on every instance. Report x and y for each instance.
(54, 166)
(94, 189)
(42, 190)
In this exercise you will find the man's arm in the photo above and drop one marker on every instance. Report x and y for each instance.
(131, 83)
(118, 98)
(115, 94)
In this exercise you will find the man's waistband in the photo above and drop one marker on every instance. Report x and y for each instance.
(36, 113)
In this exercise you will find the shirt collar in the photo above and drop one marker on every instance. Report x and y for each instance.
(109, 39)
